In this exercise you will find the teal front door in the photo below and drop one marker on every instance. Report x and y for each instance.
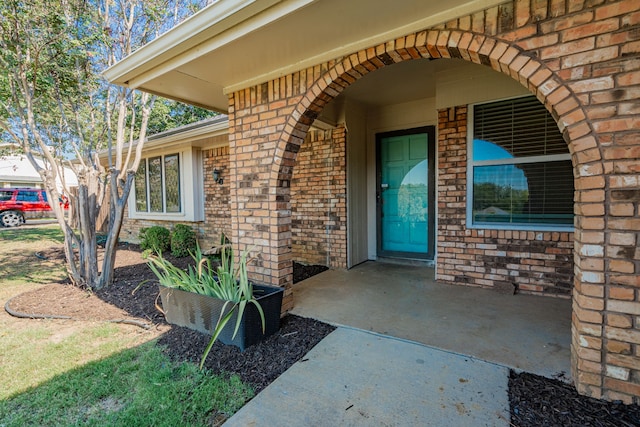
(406, 204)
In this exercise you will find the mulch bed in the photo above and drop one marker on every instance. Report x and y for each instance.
(534, 400)
(259, 364)
(537, 401)
(302, 272)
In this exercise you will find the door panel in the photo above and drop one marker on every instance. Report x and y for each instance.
(405, 194)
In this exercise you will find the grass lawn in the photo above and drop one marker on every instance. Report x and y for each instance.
(62, 372)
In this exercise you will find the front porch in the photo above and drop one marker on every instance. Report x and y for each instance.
(526, 332)
(258, 61)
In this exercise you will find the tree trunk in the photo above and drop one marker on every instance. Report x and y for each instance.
(117, 204)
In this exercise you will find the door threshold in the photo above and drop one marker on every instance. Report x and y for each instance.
(408, 261)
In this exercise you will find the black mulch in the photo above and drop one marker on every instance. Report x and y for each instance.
(259, 364)
(301, 271)
(135, 290)
(537, 401)
(534, 400)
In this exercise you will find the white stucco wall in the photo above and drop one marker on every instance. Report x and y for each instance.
(16, 170)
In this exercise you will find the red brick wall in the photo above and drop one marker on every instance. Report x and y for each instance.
(318, 200)
(216, 196)
(531, 261)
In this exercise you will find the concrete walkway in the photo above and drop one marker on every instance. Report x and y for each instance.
(356, 378)
(410, 351)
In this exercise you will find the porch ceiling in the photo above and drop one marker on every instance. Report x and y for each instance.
(233, 44)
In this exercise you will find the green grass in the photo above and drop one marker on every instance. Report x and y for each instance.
(23, 234)
(137, 387)
(18, 260)
(41, 350)
(67, 373)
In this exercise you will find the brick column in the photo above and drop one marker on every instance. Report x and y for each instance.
(260, 175)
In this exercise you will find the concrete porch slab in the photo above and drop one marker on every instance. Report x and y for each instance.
(524, 332)
(356, 378)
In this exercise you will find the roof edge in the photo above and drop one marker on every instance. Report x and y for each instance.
(210, 22)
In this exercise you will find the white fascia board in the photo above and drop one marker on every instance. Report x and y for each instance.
(28, 178)
(212, 27)
(179, 140)
(347, 49)
(215, 129)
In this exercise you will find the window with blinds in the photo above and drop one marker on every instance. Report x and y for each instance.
(520, 167)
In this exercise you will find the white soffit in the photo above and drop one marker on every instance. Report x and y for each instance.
(234, 44)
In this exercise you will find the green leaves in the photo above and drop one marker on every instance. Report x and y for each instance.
(167, 114)
(46, 75)
(227, 282)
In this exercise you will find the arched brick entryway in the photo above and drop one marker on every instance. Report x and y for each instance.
(269, 123)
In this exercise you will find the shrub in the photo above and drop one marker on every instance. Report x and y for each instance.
(183, 241)
(156, 238)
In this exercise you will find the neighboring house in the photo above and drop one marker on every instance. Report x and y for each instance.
(498, 140)
(17, 171)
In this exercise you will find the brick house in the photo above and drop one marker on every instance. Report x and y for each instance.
(498, 140)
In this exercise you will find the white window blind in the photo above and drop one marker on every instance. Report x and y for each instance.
(521, 171)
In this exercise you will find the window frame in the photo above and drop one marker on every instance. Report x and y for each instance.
(190, 182)
(498, 162)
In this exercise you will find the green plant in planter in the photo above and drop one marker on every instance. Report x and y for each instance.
(227, 282)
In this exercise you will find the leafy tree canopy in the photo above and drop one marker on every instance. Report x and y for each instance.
(64, 46)
(55, 103)
(167, 114)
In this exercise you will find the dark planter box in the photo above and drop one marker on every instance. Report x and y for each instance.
(201, 313)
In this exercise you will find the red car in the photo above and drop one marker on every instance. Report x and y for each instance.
(18, 203)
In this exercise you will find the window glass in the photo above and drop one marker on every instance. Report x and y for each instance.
(518, 128)
(155, 184)
(524, 193)
(521, 169)
(172, 182)
(6, 195)
(27, 196)
(141, 187)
